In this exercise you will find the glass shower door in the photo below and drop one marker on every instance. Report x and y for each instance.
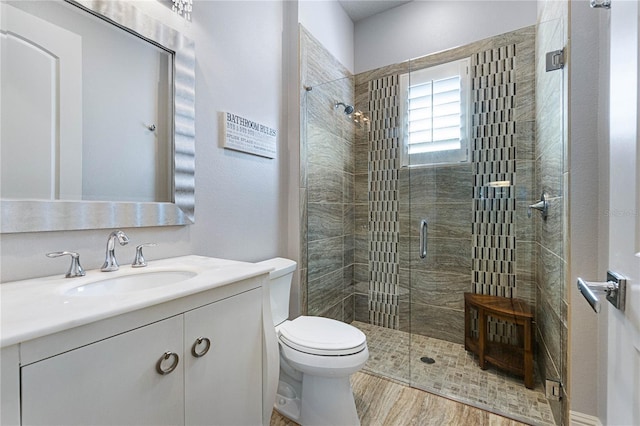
(465, 229)
(438, 213)
(551, 253)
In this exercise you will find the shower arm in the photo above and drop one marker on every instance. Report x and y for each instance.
(348, 109)
(542, 206)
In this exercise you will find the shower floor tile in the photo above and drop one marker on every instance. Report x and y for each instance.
(455, 374)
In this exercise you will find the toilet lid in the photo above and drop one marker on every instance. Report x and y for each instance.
(322, 336)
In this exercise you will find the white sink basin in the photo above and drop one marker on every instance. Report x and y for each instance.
(41, 306)
(129, 283)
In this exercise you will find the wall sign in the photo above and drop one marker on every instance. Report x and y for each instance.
(242, 134)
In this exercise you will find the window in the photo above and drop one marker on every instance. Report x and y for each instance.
(435, 114)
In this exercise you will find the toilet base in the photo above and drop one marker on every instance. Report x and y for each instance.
(328, 401)
(288, 401)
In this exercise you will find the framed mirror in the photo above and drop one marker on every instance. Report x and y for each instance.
(103, 135)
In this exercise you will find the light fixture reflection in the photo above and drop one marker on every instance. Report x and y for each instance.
(183, 8)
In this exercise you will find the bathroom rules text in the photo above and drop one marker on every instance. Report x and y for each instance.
(241, 134)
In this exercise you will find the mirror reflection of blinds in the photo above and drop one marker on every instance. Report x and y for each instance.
(434, 115)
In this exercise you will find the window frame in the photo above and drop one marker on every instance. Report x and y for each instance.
(461, 68)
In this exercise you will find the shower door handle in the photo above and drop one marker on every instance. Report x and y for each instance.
(423, 238)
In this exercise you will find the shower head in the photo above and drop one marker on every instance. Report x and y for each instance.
(348, 109)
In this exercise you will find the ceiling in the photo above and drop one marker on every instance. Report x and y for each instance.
(360, 9)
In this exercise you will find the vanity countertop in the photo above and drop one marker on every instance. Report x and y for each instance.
(37, 307)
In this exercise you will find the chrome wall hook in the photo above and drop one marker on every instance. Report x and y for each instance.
(542, 206)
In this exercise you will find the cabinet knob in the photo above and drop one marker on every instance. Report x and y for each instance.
(199, 341)
(167, 355)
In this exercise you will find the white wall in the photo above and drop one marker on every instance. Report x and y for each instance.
(623, 328)
(423, 27)
(239, 50)
(238, 197)
(603, 200)
(587, 109)
(331, 26)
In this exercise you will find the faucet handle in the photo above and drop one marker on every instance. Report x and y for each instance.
(75, 269)
(138, 261)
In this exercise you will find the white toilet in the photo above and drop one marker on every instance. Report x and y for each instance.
(316, 357)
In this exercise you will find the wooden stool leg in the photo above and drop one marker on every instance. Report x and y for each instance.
(482, 337)
(467, 326)
(528, 355)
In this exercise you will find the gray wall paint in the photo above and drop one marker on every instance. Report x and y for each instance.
(331, 26)
(420, 28)
(239, 213)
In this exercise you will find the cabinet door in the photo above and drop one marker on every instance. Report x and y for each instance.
(224, 386)
(10, 386)
(113, 381)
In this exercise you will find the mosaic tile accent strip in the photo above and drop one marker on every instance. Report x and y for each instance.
(384, 222)
(493, 155)
(494, 162)
(455, 374)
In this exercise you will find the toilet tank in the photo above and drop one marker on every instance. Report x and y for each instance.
(280, 287)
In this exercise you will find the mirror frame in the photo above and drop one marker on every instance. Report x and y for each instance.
(58, 215)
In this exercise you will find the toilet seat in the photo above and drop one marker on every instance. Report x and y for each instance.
(322, 336)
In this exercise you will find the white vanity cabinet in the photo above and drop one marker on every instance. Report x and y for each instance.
(116, 380)
(9, 385)
(113, 381)
(224, 385)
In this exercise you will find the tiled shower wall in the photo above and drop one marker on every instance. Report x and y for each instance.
(451, 198)
(326, 186)
(336, 159)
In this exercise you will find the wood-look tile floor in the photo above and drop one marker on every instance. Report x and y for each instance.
(455, 374)
(384, 402)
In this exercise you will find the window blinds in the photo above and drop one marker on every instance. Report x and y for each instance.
(434, 115)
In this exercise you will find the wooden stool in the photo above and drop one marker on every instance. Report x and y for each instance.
(515, 359)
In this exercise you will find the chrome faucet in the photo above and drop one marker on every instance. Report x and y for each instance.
(110, 262)
(75, 269)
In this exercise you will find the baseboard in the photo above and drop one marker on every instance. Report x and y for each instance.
(581, 419)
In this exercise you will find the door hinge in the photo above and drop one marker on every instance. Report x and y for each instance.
(555, 60)
(552, 390)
